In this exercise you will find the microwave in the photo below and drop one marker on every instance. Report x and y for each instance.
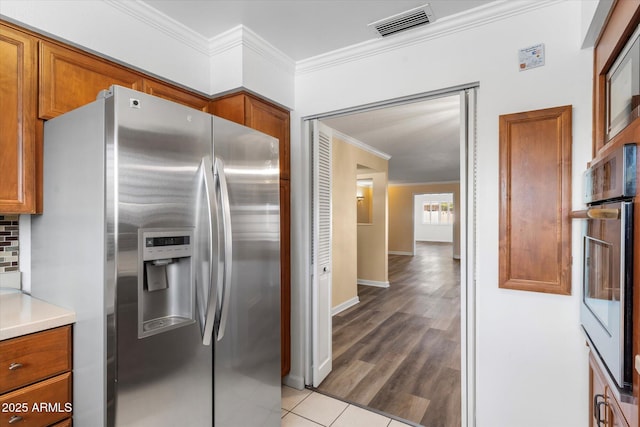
(623, 87)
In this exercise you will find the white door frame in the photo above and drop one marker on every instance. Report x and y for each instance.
(468, 169)
(302, 234)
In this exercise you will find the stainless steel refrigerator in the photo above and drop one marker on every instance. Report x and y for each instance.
(161, 230)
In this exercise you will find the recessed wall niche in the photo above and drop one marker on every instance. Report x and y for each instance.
(364, 199)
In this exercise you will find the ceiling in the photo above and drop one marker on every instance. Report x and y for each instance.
(422, 137)
(300, 28)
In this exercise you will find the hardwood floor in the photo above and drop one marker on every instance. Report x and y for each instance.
(398, 350)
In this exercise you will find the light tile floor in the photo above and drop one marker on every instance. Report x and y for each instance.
(306, 408)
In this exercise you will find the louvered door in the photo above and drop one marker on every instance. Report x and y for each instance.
(321, 253)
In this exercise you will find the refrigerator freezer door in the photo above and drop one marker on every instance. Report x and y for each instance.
(157, 147)
(247, 358)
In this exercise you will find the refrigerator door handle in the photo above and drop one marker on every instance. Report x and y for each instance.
(209, 313)
(228, 249)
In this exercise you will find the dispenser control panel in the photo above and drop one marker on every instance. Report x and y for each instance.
(164, 243)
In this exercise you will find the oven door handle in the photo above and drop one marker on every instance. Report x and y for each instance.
(606, 214)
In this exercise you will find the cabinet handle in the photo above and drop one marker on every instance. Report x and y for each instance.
(597, 407)
(15, 366)
(15, 419)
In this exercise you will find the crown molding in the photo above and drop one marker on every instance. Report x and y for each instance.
(237, 36)
(223, 42)
(357, 143)
(241, 36)
(143, 12)
(460, 22)
(260, 46)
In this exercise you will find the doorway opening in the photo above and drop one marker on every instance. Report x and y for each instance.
(321, 340)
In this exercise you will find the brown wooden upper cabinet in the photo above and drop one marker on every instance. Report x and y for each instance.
(535, 201)
(18, 141)
(70, 79)
(171, 93)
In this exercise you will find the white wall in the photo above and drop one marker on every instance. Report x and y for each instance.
(430, 232)
(531, 357)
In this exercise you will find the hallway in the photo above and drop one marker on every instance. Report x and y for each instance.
(398, 350)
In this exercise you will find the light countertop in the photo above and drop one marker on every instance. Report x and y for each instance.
(21, 314)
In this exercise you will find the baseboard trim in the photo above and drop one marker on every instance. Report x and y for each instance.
(373, 283)
(456, 257)
(342, 307)
(294, 381)
(400, 253)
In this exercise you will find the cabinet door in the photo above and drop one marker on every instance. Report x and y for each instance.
(597, 392)
(229, 107)
(616, 419)
(273, 121)
(18, 73)
(535, 201)
(176, 95)
(603, 403)
(70, 79)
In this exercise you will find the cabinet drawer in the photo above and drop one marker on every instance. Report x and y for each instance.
(40, 404)
(30, 358)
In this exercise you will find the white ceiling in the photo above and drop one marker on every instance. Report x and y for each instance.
(300, 28)
(421, 137)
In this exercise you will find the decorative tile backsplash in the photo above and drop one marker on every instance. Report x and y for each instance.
(9, 233)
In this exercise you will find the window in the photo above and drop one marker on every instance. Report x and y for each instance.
(434, 212)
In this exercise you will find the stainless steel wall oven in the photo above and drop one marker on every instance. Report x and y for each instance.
(607, 298)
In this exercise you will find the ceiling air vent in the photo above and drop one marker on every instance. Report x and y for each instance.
(403, 21)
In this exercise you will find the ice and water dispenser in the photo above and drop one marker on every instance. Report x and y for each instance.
(166, 288)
